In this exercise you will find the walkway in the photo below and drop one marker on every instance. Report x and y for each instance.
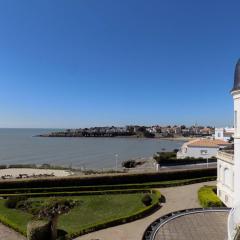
(9, 234)
(177, 198)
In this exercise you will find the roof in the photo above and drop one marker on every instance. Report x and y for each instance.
(207, 143)
(236, 85)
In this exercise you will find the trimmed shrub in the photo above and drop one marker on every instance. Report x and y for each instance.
(109, 179)
(161, 157)
(13, 201)
(129, 164)
(101, 189)
(208, 198)
(38, 230)
(63, 194)
(147, 200)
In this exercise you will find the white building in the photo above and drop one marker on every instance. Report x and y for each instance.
(224, 134)
(201, 148)
(228, 166)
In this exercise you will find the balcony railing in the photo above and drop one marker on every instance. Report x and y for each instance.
(226, 155)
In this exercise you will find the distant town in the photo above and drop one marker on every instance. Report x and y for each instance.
(137, 131)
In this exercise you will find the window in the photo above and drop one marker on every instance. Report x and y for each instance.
(219, 135)
(235, 119)
(219, 173)
(226, 177)
(204, 152)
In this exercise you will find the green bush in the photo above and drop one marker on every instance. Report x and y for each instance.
(208, 198)
(161, 157)
(12, 201)
(38, 230)
(147, 200)
(129, 164)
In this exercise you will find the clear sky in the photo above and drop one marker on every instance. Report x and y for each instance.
(82, 63)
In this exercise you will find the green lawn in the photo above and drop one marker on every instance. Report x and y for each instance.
(91, 211)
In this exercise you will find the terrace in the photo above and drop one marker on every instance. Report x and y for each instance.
(195, 224)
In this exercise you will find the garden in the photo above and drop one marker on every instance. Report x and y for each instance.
(83, 205)
(84, 213)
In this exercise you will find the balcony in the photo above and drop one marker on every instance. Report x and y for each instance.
(226, 155)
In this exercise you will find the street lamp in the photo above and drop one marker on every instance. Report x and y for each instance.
(116, 159)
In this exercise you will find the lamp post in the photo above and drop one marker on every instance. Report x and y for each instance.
(116, 161)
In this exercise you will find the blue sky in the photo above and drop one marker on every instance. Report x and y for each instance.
(90, 62)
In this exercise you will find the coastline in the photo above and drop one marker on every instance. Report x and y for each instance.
(122, 137)
(82, 153)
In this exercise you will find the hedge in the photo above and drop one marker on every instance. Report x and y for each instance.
(109, 179)
(208, 198)
(63, 194)
(107, 187)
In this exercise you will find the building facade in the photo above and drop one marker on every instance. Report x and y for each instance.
(201, 148)
(224, 134)
(228, 166)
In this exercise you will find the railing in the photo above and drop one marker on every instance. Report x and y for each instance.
(153, 228)
(233, 222)
(225, 155)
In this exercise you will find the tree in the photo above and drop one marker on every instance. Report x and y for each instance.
(52, 210)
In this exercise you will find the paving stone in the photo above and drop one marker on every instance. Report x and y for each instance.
(197, 226)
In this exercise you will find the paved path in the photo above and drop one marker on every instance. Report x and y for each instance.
(9, 234)
(197, 226)
(177, 198)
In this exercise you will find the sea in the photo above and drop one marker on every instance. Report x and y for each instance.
(21, 146)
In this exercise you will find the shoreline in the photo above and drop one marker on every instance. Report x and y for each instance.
(126, 137)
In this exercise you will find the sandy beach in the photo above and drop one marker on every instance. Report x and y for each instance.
(15, 172)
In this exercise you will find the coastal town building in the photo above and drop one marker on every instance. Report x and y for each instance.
(206, 131)
(201, 148)
(228, 164)
(224, 134)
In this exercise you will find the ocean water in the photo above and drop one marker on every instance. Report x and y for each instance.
(19, 146)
